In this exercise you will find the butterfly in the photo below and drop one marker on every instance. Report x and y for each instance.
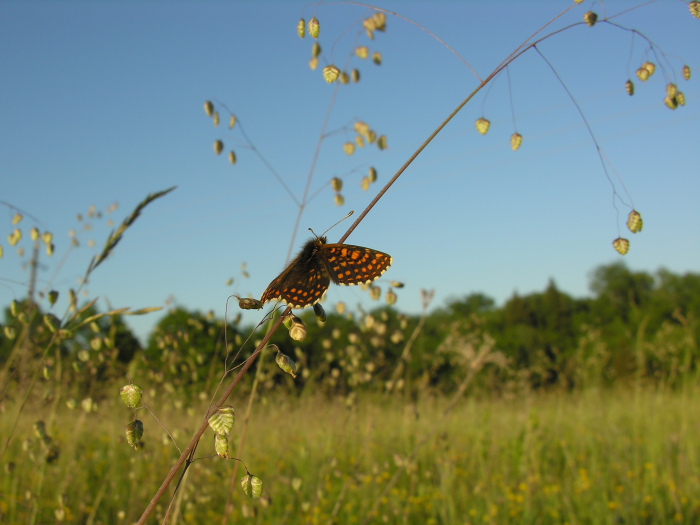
(309, 275)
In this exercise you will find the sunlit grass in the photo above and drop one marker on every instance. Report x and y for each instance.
(621, 456)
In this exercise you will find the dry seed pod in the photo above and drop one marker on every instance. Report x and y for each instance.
(643, 74)
(336, 184)
(221, 445)
(50, 249)
(47, 238)
(671, 102)
(391, 297)
(621, 245)
(694, 7)
(680, 98)
(590, 18)
(671, 89)
(355, 75)
(629, 87)
(483, 125)
(209, 108)
(339, 199)
(365, 183)
(320, 312)
(231, 157)
(362, 52)
(344, 78)
(349, 148)
(686, 72)
(372, 175)
(17, 218)
(650, 67)
(516, 139)
(232, 122)
(131, 395)
(331, 74)
(217, 119)
(315, 49)
(252, 486)
(382, 142)
(134, 433)
(246, 303)
(34, 233)
(53, 297)
(313, 64)
(222, 420)
(218, 147)
(375, 293)
(314, 27)
(377, 58)
(297, 328)
(379, 21)
(301, 28)
(286, 364)
(634, 221)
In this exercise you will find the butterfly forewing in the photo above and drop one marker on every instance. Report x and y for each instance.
(308, 276)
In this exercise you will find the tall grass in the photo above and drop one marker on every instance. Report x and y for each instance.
(599, 456)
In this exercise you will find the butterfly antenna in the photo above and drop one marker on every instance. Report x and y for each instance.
(336, 224)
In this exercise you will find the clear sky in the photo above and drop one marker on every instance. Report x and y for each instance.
(102, 103)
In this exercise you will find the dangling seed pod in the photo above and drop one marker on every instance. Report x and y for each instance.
(483, 125)
(377, 58)
(297, 328)
(301, 28)
(315, 50)
(252, 486)
(349, 148)
(319, 312)
(621, 245)
(222, 420)
(694, 7)
(209, 108)
(391, 297)
(246, 303)
(650, 67)
(221, 445)
(397, 284)
(217, 119)
(313, 64)
(336, 184)
(331, 74)
(686, 72)
(372, 174)
(634, 221)
(516, 139)
(131, 395)
(643, 74)
(314, 27)
(53, 297)
(382, 142)
(375, 293)
(286, 364)
(680, 98)
(362, 52)
(344, 78)
(232, 157)
(339, 199)
(671, 102)
(629, 86)
(590, 18)
(134, 433)
(355, 75)
(365, 183)
(379, 21)
(218, 147)
(671, 89)
(232, 122)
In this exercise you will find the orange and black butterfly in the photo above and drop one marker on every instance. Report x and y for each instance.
(309, 275)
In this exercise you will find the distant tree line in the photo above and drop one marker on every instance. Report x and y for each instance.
(636, 327)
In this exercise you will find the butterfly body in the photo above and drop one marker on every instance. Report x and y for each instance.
(308, 276)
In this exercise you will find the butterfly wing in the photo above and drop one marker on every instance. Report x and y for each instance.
(303, 282)
(348, 264)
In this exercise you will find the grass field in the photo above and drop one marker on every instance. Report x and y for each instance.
(622, 456)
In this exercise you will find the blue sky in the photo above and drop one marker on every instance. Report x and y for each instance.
(102, 102)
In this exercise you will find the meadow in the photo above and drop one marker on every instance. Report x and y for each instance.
(627, 455)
